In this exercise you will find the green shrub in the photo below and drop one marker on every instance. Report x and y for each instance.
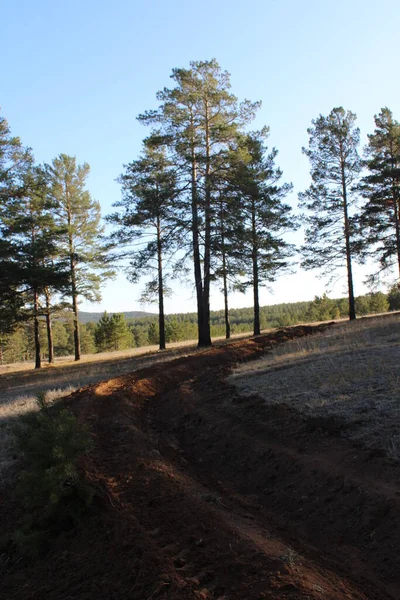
(50, 485)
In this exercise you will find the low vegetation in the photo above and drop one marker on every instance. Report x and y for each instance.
(347, 377)
(50, 486)
(12, 411)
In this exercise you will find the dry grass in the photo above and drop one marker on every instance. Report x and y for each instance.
(100, 357)
(349, 374)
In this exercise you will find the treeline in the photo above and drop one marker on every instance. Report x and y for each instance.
(116, 332)
(205, 197)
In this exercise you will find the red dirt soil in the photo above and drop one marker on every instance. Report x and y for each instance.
(204, 494)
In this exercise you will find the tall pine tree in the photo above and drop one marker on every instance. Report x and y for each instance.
(199, 118)
(380, 215)
(28, 238)
(38, 237)
(15, 164)
(335, 167)
(83, 245)
(263, 217)
(148, 228)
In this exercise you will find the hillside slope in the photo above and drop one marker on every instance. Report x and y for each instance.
(206, 494)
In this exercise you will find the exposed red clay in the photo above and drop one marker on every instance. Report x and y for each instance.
(203, 494)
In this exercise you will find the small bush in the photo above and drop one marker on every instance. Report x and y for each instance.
(50, 486)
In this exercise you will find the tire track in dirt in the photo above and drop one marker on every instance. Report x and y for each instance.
(204, 494)
(316, 503)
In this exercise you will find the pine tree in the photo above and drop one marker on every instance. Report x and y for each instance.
(28, 237)
(227, 261)
(121, 335)
(103, 333)
(52, 261)
(112, 333)
(174, 331)
(153, 334)
(15, 164)
(335, 167)
(264, 218)
(380, 215)
(83, 245)
(39, 236)
(60, 338)
(148, 226)
(224, 270)
(86, 332)
(199, 118)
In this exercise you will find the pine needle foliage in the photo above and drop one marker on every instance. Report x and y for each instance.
(51, 486)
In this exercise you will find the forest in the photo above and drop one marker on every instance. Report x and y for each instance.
(205, 203)
(119, 331)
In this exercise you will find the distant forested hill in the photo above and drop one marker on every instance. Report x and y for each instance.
(94, 317)
(140, 328)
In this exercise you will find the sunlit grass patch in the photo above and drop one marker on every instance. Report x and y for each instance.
(350, 373)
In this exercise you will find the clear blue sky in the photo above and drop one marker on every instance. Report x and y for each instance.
(75, 75)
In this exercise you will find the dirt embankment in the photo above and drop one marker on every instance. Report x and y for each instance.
(206, 494)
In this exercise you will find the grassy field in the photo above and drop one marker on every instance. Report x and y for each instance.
(349, 375)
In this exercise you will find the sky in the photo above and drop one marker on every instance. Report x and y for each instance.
(76, 74)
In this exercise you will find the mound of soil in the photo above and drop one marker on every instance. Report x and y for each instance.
(204, 494)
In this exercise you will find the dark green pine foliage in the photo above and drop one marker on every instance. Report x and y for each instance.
(112, 333)
(380, 215)
(199, 118)
(83, 245)
(51, 485)
(15, 163)
(28, 238)
(148, 224)
(37, 235)
(263, 216)
(335, 166)
(121, 336)
(102, 333)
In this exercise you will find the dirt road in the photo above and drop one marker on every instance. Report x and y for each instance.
(204, 494)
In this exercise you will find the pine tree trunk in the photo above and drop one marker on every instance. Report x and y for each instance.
(74, 298)
(256, 300)
(396, 203)
(396, 200)
(196, 252)
(224, 275)
(74, 294)
(77, 341)
(207, 240)
(38, 358)
(161, 317)
(256, 328)
(396, 215)
(352, 306)
(226, 309)
(49, 328)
